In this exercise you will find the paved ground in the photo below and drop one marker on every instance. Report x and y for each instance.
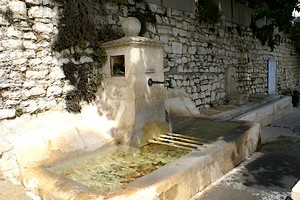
(9, 191)
(271, 172)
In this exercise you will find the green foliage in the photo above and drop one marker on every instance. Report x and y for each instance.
(277, 14)
(144, 17)
(208, 11)
(86, 78)
(295, 33)
(99, 53)
(264, 34)
(70, 33)
(84, 21)
(19, 112)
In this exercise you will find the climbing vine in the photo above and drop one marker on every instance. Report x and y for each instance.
(83, 24)
(84, 78)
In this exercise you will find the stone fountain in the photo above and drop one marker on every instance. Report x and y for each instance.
(132, 110)
(137, 107)
(127, 111)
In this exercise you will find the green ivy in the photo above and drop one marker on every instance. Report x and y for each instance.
(99, 54)
(86, 78)
(208, 11)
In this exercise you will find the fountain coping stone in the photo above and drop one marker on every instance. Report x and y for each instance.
(295, 194)
(130, 40)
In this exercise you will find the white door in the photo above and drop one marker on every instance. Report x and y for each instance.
(272, 76)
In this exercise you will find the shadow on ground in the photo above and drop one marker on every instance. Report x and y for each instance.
(278, 168)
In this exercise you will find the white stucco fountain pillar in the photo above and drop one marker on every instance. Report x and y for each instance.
(139, 109)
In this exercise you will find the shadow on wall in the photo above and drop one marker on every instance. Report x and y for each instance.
(83, 25)
(83, 21)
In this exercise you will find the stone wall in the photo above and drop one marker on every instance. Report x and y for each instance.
(196, 56)
(31, 75)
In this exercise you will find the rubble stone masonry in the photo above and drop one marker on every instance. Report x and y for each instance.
(196, 56)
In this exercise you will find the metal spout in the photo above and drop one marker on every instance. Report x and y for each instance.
(151, 82)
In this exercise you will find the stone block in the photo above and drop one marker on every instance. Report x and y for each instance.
(43, 28)
(161, 10)
(12, 44)
(40, 12)
(29, 45)
(184, 60)
(18, 7)
(296, 191)
(33, 75)
(30, 36)
(177, 48)
(164, 29)
(7, 113)
(4, 85)
(165, 20)
(3, 2)
(54, 91)
(158, 19)
(57, 73)
(11, 32)
(175, 31)
(20, 61)
(36, 91)
(153, 7)
(35, 62)
(85, 59)
(29, 84)
(35, 2)
(4, 56)
(2, 74)
(192, 50)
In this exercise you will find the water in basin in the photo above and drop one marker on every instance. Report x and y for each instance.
(113, 168)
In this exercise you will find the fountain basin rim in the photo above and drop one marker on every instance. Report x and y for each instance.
(48, 181)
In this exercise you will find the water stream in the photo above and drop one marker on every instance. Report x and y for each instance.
(168, 112)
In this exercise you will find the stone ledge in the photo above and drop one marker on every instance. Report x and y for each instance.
(7, 113)
(269, 112)
(296, 191)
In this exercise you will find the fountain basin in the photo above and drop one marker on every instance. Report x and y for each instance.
(261, 109)
(180, 179)
(113, 168)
